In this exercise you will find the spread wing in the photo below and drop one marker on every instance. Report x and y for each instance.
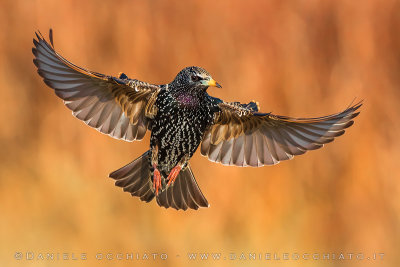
(242, 136)
(119, 107)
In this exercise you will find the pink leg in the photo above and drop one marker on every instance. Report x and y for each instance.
(173, 174)
(156, 179)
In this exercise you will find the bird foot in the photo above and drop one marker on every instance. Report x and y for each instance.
(173, 174)
(156, 180)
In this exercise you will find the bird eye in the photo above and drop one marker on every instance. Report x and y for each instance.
(195, 78)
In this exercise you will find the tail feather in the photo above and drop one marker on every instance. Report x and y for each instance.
(185, 193)
(136, 179)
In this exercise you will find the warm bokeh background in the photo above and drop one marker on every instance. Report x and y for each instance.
(297, 58)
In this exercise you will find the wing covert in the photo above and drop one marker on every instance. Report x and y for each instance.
(242, 136)
(116, 106)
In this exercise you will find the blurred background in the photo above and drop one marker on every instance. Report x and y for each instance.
(297, 58)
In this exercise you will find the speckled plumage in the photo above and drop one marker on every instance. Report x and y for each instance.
(179, 125)
(181, 116)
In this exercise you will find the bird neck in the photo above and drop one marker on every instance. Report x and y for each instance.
(188, 97)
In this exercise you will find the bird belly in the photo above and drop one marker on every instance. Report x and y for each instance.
(177, 134)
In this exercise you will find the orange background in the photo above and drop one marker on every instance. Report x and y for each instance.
(297, 58)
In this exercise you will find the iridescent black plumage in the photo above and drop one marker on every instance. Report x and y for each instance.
(181, 116)
(184, 113)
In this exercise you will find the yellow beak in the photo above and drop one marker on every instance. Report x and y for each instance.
(212, 82)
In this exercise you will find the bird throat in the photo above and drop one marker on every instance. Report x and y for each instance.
(189, 99)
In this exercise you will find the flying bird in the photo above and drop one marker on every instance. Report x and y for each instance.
(181, 116)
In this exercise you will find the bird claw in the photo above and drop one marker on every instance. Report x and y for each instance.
(173, 174)
(156, 180)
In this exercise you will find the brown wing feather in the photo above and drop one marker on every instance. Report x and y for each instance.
(244, 137)
(121, 108)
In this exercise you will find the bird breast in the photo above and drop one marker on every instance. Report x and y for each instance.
(188, 100)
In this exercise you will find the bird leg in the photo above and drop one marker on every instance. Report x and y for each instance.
(157, 174)
(156, 179)
(175, 171)
(173, 174)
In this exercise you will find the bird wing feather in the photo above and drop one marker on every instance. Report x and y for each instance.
(119, 107)
(241, 135)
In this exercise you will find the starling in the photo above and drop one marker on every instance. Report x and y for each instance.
(180, 115)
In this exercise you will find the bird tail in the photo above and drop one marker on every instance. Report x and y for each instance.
(136, 179)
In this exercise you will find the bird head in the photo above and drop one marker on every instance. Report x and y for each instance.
(194, 79)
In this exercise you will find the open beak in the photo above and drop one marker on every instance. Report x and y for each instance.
(212, 82)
